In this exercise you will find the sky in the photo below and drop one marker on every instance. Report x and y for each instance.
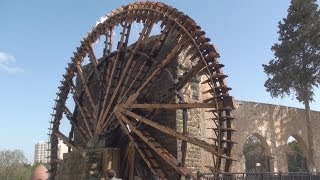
(37, 39)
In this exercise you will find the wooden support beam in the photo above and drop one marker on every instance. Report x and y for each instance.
(169, 106)
(132, 162)
(70, 118)
(104, 111)
(84, 118)
(67, 141)
(132, 83)
(184, 132)
(86, 89)
(173, 162)
(195, 141)
(92, 55)
(108, 43)
(93, 60)
(142, 155)
(184, 80)
(126, 72)
(167, 60)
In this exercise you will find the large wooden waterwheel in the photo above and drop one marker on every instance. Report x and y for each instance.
(131, 80)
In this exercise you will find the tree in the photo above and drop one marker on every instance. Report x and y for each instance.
(254, 152)
(296, 66)
(296, 161)
(13, 165)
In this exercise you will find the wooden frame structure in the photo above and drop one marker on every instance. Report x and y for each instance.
(111, 94)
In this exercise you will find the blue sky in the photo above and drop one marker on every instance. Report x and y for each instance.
(37, 39)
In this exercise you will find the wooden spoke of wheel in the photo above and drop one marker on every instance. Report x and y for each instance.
(139, 150)
(71, 119)
(208, 147)
(168, 106)
(67, 141)
(108, 43)
(125, 30)
(183, 81)
(157, 46)
(124, 94)
(173, 162)
(87, 90)
(169, 58)
(83, 114)
(93, 60)
(143, 35)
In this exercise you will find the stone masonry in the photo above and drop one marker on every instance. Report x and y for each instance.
(273, 125)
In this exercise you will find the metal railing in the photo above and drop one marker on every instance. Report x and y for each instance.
(263, 176)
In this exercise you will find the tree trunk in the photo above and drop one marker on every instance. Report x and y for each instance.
(311, 164)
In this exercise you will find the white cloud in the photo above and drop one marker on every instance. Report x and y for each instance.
(6, 63)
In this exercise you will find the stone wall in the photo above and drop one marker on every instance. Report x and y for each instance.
(77, 165)
(273, 125)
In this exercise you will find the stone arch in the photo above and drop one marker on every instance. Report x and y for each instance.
(264, 143)
(266, 147)
(302, 145)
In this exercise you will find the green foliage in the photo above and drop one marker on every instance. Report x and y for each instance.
(255, 153)
(13, 165)
(296, 66)
(296, 160)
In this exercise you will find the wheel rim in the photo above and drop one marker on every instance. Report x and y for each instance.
(124, 80)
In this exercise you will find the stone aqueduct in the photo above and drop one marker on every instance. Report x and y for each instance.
(273, 125)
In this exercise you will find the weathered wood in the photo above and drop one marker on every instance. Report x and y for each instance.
(168, 59)
(124, 94)
(157, 148)
(105, 110)
(142, 155)
(132, 162)
(169, 106)
(108, 43)
(82, 113)
(86, 89)
(122, 82)
(71, 119)
(67, 141)
(145, 33)
(92, 57)
(195, 141)
(222, 129)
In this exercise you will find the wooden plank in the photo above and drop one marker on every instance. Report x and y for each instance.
(168, 59)
(86, 89)
(215, 78)
(101, 89)
(93, 60)
(132, 162)
(162, 152)
(82, 113)
(107, 81)
(222, 129)
(195, 141)
(70, 118)
(170, 106)
(126, 72)
(184, 144)
(108, 43)
(132, 83)
(67, 141)
(104, 111)
(92, 56)
(157, 148)
(142, 155)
